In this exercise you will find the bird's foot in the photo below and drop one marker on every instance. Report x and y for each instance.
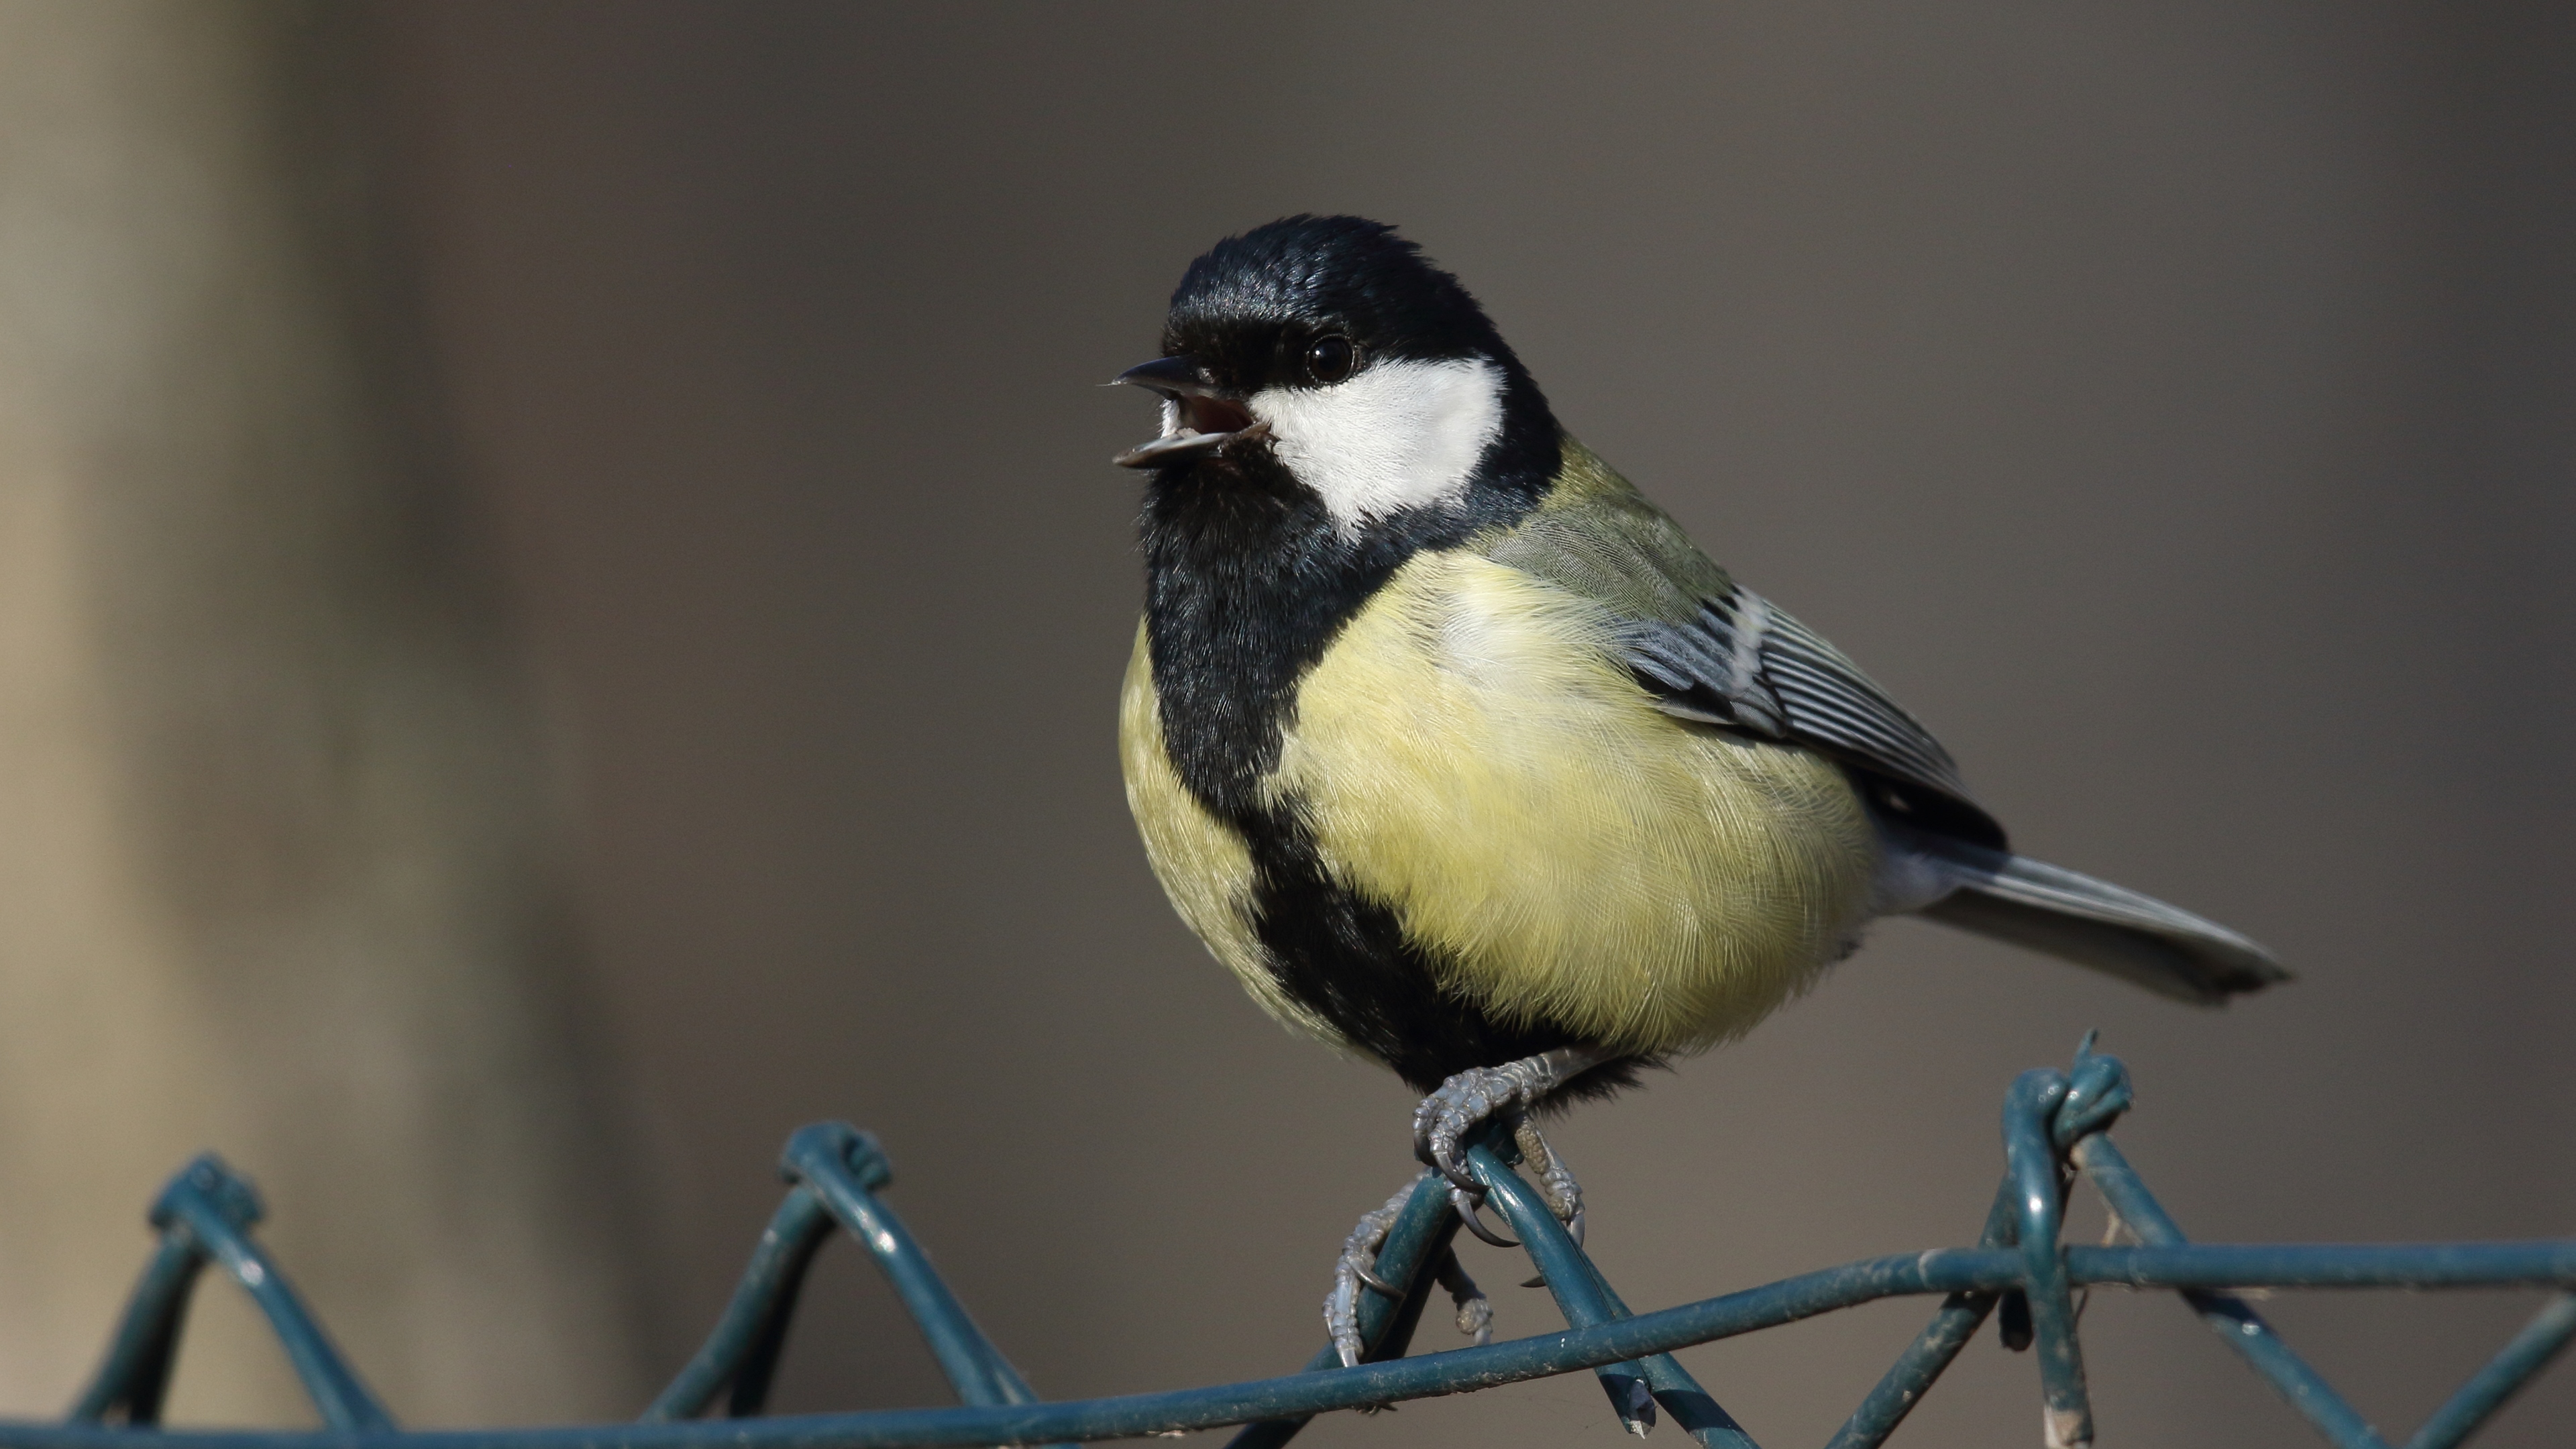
(1480, 1094)
(1357, 1270)
(1441, 1125)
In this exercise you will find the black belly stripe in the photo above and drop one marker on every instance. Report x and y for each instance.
(1347, 959)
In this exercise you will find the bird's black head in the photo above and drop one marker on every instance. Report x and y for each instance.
(1325, 354)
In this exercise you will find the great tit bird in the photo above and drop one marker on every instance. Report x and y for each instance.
(1462, 758)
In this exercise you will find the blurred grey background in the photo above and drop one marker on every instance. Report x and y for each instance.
(563, 596)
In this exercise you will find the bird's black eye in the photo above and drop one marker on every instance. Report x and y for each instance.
(1330, 359)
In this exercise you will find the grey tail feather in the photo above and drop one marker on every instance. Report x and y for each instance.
(2093, 923)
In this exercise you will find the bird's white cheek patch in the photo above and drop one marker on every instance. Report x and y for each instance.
(1397, 435)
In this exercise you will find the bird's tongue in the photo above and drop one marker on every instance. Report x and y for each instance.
(1214, 415)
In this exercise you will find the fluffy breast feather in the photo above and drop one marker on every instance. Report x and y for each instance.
(1470, 753)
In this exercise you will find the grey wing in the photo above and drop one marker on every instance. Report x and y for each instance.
(1745, 665)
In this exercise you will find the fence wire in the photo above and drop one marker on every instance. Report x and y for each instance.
(2020, 1273)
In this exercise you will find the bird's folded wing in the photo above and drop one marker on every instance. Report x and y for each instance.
(1712, 651)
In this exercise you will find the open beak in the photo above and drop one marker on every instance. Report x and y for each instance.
(1197, 422)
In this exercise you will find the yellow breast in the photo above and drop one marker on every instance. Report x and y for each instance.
(1470, 753)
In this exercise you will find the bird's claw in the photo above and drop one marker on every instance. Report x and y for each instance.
(1466, 1208)
(1368, 1275)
